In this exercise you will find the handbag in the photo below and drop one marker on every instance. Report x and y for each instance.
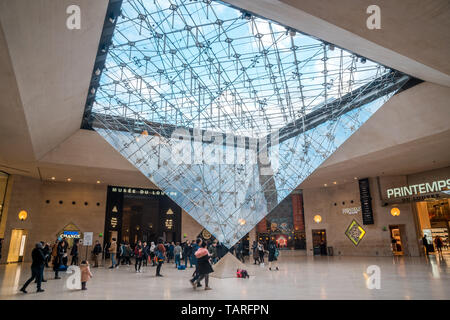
(277, 253)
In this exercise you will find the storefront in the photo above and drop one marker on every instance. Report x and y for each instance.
(429, 195)
(134, 214)
(285, 224)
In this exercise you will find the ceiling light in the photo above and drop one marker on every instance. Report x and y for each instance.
(98, 71)
(356, 178)
(324, 184)
(335, 182)
(363, 60)
(92, 90)
(331, 47)
(98, 181)
(68, 179)
(53, 178)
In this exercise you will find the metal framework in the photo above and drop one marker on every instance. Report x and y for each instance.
(188, 83)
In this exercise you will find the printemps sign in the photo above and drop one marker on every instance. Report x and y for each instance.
(418, 189)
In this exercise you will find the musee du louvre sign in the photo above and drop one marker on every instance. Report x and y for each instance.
(417, 191)
(142, 191)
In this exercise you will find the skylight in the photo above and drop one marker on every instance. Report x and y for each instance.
(207, 65)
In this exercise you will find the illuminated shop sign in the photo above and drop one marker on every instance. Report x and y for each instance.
(113, 222)
(355, 232)
(415, 189)
(169, 223)
(70, 234)
(353, 210)
(143, 191)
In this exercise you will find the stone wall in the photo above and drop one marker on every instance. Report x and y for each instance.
(189, 227)
(45, 220)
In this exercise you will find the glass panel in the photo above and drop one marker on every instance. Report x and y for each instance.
(230, 111)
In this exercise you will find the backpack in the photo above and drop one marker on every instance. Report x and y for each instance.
(159, 255)
(241, 273)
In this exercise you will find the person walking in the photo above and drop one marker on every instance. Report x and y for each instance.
(170, 254)
(177, 251)
(261, 252)
(273, 255)
(47, 252)
(145, 253)
(38, 261)
(439, 244)
(425, 244)
(138, 255)
(160, 256)
(255, 253)
(113, 251)
(85, 274)
(46, 255)
(96, 252)
(152, 253)
(187, 251)
(74, 253)
(195, 247)
(204, 268)
(213, 251)
(65, 258)
(61, 252)
(239, 251)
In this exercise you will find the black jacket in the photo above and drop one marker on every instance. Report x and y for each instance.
(187, 251)
(74, 250)
(97, 248)
(204, 267)
(38, 257)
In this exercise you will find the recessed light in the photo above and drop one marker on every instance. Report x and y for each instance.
(68, 179)
(335, 182)
(324, 184)
(98, 181)
(53, 178)
(356, 178)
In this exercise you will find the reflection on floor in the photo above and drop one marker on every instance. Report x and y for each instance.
(298, 278)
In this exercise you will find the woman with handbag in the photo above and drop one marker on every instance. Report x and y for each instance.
(204, 268)
(160, 256)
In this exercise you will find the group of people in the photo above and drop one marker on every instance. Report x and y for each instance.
(438, 244)
(43, 253)
(200, 254)
(258, 252)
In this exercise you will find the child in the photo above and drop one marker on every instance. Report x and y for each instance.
(85, 274)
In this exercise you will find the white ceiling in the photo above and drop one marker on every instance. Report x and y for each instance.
(45, 71)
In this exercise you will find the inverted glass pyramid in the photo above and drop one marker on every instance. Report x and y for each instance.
(227, 112)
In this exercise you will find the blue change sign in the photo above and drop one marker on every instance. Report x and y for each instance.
(71, 234)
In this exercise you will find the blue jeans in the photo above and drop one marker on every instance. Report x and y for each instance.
(177, 260)
(193, 260)
(113, 260)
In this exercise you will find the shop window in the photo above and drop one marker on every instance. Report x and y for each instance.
(282, 229)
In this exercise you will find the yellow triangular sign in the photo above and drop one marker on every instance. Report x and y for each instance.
(115, 209)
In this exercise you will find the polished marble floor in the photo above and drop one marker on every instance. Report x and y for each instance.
(298, 278)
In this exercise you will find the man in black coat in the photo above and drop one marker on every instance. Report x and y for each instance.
(38, 258)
